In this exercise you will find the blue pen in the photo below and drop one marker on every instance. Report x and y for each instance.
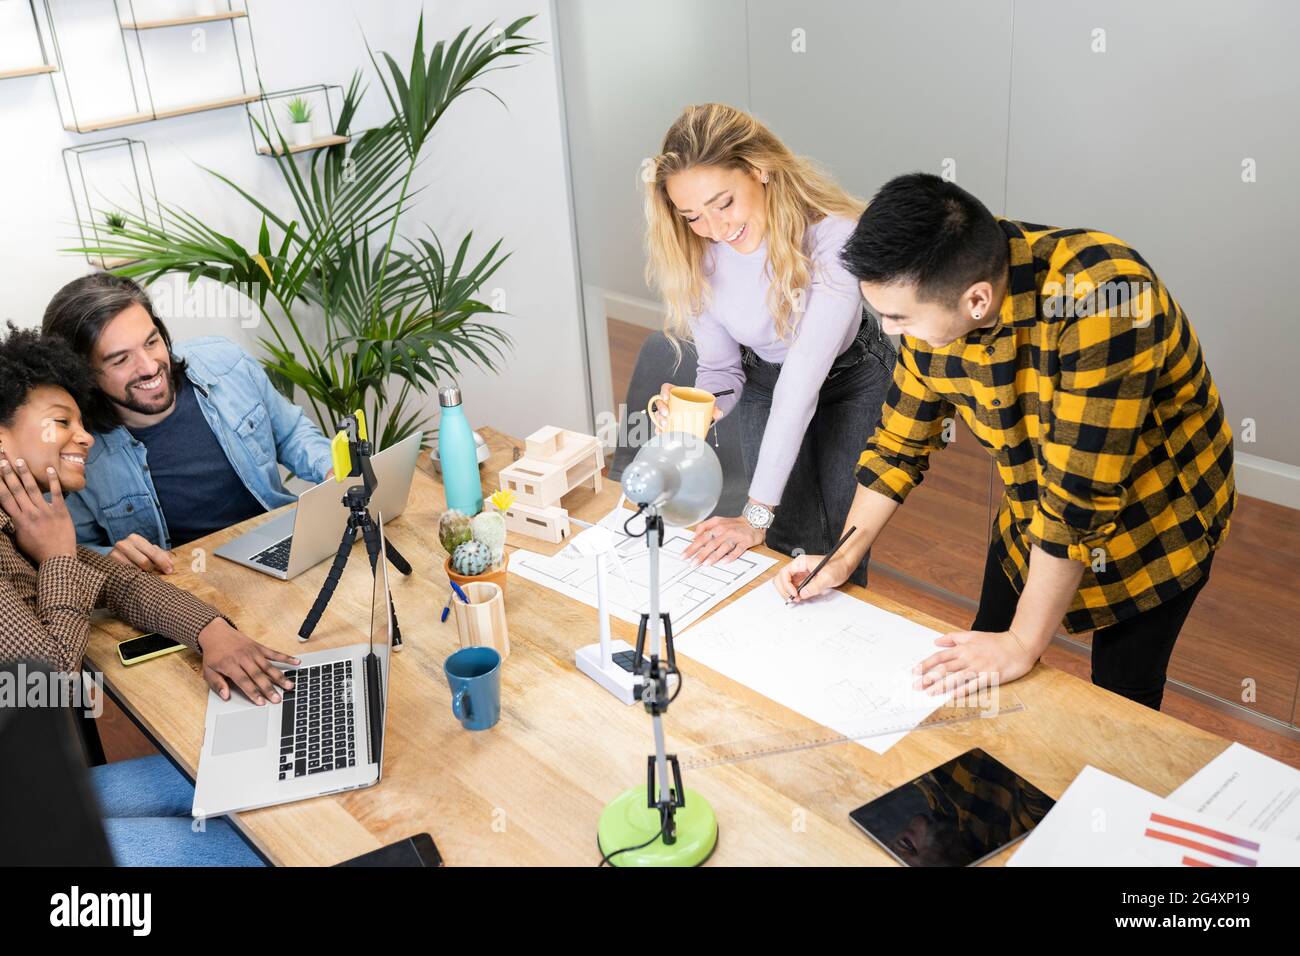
(459, 593)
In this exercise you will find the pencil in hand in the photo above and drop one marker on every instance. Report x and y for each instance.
(821, 564)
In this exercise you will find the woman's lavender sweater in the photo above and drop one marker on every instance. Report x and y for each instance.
(737, 314)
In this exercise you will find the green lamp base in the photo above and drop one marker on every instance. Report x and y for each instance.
(627, 822)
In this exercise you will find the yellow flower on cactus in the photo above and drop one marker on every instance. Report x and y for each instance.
(502, 500)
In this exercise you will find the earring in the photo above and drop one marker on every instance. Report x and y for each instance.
(975, 316)
(764, 179)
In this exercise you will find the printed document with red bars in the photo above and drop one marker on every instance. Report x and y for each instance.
(1102, 820)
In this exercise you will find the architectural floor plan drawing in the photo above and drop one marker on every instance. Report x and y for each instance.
(834, 659)
(686, 592)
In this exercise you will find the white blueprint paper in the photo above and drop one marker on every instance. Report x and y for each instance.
(841, 662)
(686, 592)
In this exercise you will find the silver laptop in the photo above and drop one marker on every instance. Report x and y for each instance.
(310, 532)
(326, 735)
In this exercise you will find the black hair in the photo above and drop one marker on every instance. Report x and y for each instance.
(28, 360)
(922, 229)
(78, 313)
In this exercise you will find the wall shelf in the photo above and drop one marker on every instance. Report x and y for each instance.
(323, 143)
(183, 21)
(110, 176)
(142, 107)
(28, 71)
(267, 129)
(39, 69)
(109, 264)
(133, 118)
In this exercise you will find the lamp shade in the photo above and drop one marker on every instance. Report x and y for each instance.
(677, 472)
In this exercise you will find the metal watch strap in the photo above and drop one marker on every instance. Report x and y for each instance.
(751, 507)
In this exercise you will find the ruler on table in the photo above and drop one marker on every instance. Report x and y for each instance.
(752, 748)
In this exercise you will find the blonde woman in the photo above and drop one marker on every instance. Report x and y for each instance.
(744, 240)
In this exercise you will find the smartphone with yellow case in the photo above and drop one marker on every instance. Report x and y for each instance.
(146, 647)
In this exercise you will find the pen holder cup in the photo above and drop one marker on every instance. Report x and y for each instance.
(482, 622)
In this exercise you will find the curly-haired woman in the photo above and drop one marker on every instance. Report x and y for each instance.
(49, 586)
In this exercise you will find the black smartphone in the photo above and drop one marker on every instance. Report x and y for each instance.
(146, 647)
(417, 850)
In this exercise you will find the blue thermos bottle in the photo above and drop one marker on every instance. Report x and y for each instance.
(458, 455)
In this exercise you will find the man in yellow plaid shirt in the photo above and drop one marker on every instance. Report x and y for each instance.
(1073, 365)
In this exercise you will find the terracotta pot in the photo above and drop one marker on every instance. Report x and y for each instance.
(497, 577)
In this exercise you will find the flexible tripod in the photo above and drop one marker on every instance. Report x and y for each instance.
(351, 460)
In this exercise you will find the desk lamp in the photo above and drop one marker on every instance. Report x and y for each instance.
(676, 480)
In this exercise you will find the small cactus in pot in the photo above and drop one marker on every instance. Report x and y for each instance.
(471, 558)
(476, 546)
(453, 530)
(489, 528)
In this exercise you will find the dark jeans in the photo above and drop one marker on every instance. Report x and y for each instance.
(817, 496)
(1129, 658)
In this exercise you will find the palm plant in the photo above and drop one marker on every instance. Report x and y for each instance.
(398, 315)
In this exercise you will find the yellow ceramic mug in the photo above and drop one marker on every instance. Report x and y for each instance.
(688, 410)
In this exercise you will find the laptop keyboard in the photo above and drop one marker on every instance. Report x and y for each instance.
(276, 556)
(316, 721)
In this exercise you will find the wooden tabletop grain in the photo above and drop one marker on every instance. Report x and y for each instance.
(530, 790)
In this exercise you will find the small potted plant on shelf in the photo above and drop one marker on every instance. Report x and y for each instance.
(300, 128)
(476, 546)
(116, 222)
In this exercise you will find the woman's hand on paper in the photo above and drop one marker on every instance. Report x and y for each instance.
(722, 539)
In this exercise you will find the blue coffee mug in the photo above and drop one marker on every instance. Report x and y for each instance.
(474, 676)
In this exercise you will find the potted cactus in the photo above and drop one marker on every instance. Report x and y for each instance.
(300, 128)
(476, 546)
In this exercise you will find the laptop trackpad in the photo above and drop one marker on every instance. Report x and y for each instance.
(242, 730)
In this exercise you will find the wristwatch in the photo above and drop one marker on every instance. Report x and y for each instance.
(760, 517)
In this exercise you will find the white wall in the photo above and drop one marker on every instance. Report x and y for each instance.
(1148, 148)
(500, 172)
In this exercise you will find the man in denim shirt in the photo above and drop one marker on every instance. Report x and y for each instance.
(189, 439)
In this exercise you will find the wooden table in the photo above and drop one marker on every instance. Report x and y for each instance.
(530, 790)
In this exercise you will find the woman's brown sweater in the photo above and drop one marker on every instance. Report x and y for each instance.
(45, 610)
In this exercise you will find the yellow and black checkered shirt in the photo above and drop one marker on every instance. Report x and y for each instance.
(1092, 395)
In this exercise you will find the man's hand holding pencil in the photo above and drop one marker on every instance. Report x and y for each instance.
(812, 574)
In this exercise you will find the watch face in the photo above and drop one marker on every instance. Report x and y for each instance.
(758, 516)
